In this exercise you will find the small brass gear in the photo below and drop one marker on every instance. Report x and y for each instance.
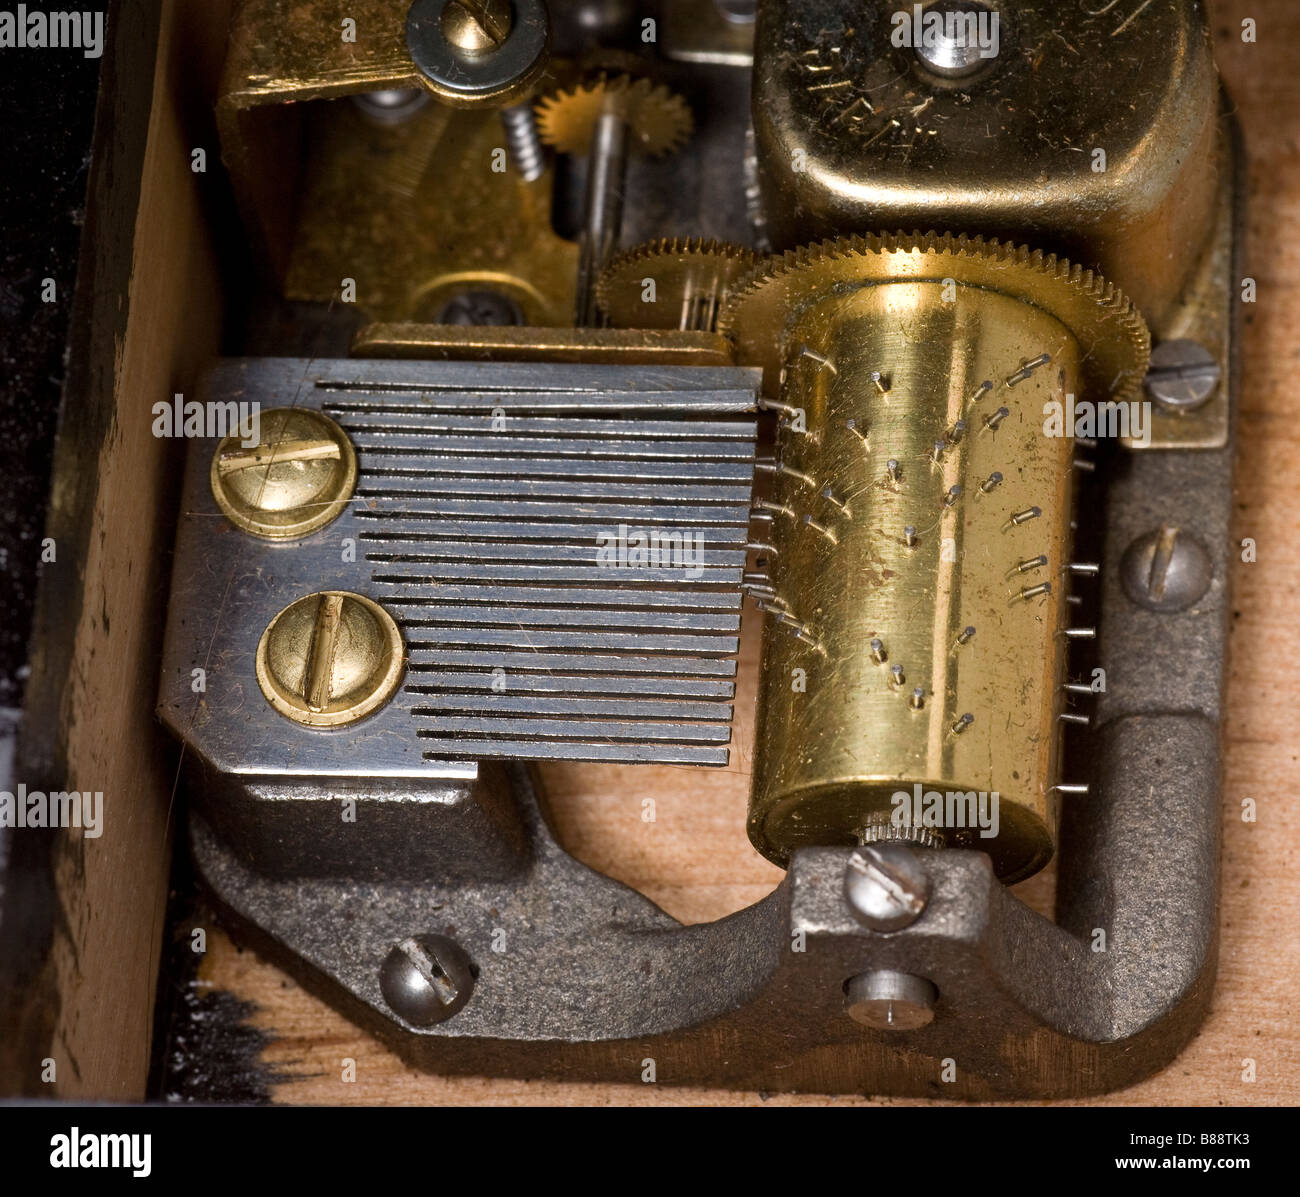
(659, 120)
(692, 277)
(1114, 341)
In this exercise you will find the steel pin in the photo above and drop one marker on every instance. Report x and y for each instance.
(1027, 368)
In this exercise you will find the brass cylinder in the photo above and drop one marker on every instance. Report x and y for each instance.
(920, 511)
(885, 567)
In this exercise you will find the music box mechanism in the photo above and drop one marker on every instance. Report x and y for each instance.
(586, 331)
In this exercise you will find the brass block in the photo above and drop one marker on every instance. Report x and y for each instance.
(412, 211)
(511, 343)
(854, 133)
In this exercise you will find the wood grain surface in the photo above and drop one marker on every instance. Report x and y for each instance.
(696, 862)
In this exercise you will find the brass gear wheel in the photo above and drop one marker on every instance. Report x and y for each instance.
(1114, 340)
(692, 277)
(659, 120)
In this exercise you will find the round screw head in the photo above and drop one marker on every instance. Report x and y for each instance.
(1166, 570)
(426, 979)
(1183, 375)
(481, 308)
(476, 26)
(950, 51)
(885, 886)
(296, 479)
(330, 659)
(886, 1000)
(479, 53)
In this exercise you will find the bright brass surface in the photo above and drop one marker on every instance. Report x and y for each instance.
(476, 26)
(297, 479)
(330, 659)
(897, 530)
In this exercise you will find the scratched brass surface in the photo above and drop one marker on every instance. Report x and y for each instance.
(853, 134)
(879, 358)
(416, 214)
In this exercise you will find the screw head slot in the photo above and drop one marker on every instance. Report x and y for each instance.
(298, 478)
(330, 659)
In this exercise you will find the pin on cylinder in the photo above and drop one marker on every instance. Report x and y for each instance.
(831, 758)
